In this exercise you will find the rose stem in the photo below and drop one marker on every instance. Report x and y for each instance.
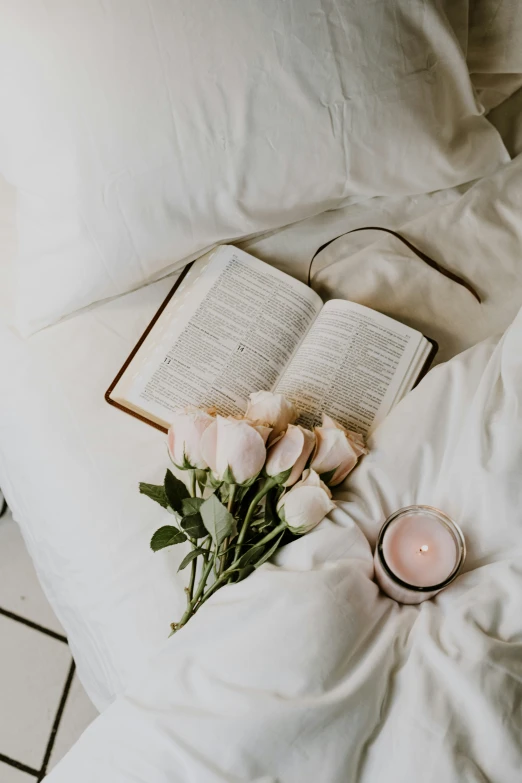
(201, 596)
(224, 546)
(205, 545)
(267, 486)
(226, 574)
(193, 567)
(189, 611)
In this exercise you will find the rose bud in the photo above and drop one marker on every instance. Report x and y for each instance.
(337, 451)
(233, 446)
(306, 504)
(290, 451)
(184, 437)
(272, 409)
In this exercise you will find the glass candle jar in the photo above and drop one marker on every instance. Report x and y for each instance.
(419, 551)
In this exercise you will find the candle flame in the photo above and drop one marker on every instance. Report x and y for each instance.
(424, 548)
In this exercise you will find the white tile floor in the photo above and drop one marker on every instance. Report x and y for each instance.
(43, 707)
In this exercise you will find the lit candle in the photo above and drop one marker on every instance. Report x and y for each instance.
(419, 552)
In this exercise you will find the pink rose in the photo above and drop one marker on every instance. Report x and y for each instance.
(271, 409)
(306, 504)
(290, 451)
(235, 445)
(184, 437)
(337, 450)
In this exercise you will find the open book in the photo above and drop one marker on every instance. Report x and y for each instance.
(233, 325)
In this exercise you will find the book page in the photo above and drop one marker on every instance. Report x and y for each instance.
(234, 333)
(351, 365)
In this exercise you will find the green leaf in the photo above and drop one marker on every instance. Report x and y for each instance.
(255, 556)
(228, 476)
(218, 521)
(191, 506)
(201, 477)
(244, 572)
(154, 492)
(190, 557)
(223, 493)
(193, 526)
(176, 491)
(270, 508)
(168, 535)
(213, 481)
(264, 519)
(271, 551)
(282, 477)
(249, 557)
(241, 492)
(251, 481)
(186, 464)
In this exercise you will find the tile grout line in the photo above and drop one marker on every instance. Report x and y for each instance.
(35, 626)
(18, 765)
(57, 720)
(40, 774)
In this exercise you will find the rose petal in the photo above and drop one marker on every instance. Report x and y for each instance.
(334, 451)
(312, 479)
(286, 451)
(308, 447)
(239, 447)
(265, 407)
(355, 438)
(304, 507)
(209, 445)
(328, 423)
(357, 441)
(263, 430)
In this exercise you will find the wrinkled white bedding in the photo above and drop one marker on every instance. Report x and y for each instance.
(305, 672)
(354, 685)
(85, 525)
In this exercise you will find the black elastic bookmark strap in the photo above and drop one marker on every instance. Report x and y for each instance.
(418, 253)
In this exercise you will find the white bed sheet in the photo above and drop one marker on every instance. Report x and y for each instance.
(70, 464)
(306, 673)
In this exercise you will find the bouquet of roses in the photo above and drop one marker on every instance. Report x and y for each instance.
(241, 486)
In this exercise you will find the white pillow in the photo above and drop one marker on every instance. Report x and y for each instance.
(140, 133)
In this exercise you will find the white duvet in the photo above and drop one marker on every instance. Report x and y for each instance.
(305, 672)
(70, 464)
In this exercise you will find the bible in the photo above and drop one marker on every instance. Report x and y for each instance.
(233, 325)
